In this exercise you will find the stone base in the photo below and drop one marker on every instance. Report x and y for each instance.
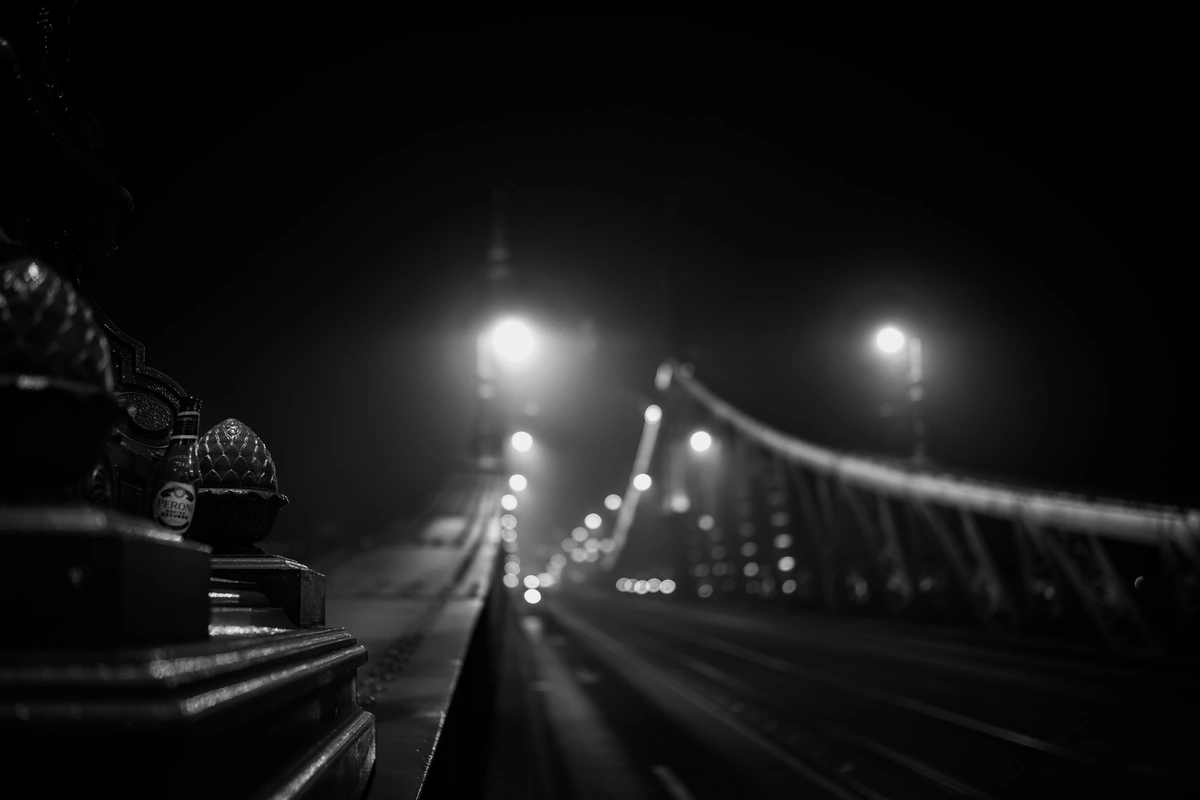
(239, 716)
(288, 584)
(89, 578)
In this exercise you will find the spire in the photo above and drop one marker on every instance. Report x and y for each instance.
(498, 264)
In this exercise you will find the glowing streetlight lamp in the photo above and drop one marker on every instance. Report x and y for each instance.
(701, 441)
(612, 502)
(642, 482)
(892, 340)
(513, 340)
(653, 414)
(592, 521)
(517, 483)
(889, 340)
(508, 502)
(522, 441)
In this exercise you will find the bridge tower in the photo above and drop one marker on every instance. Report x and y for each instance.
(490, 421)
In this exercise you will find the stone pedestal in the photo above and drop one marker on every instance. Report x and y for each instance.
(235, 716)
(289, 585)
(98, 579)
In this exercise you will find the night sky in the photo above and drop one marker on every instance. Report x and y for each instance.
(755, 195)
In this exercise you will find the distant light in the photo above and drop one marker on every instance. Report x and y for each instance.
(752, 587)
(545, 579)
(1138, 581)
(889, 340)
(508, 521)
(621, 584)
(701, 441)
(511, 568)
(642, 482)
(579, 555)
(513, 340)
(750, 570)
(510, 547)
(558, 559)
(653, 414)
(612, 502)
(641, 587)
(508, 534)
(662, 378)
(592, 521)
(517, 483)
(789, 586)
(653, 584)
(580, 534)
(705, 590)
(531, 581)
(591, 555)
(508, 502)
(787, 564)
(749, 549)
(700, 570)
(592, 545)
(532, 596)
(511, 581)
(680, 503)
(569, 544)
(667, 586)
(705, 522)
(626, 585)
(512, 559)
(783, 540)
(522, 441)
(607, 545)
(779, 519)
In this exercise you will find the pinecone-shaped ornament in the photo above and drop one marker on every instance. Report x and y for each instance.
(238, 496)
(56, 381)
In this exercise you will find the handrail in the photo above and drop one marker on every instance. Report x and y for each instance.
(1134, 522)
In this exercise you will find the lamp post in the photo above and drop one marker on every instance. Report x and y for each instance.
(892, 340)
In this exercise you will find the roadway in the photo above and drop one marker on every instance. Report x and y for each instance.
(702, 704)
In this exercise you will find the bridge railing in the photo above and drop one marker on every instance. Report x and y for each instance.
(764, 517)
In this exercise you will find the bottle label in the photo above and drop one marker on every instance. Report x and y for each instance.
(174, 504)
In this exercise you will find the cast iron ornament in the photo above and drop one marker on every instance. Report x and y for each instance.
(238, 498)
(56, 381)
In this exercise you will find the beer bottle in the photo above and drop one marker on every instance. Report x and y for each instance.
(176, 477)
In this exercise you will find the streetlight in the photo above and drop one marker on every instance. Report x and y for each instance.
(522, 441)
(513, 340)
(641, 482)
(592, 521)
(701, 441)
(892, 340)
(612, 502)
